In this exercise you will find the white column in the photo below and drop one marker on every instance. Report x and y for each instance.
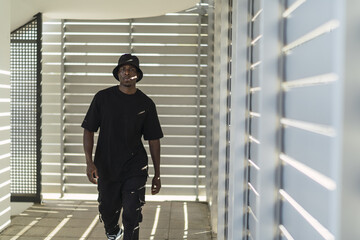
(5, 114)
(221, 36)
(269, 121)
(349, 167)
(238, 118)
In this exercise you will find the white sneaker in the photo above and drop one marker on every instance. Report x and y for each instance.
(118, 236)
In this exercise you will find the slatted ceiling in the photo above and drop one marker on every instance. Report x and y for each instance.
(310, 89)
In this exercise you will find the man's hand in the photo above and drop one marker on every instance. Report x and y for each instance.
(156, 185)
(91, 172)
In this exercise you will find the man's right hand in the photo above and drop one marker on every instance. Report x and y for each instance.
(91, 172)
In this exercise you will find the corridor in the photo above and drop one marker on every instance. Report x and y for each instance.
(65, 219)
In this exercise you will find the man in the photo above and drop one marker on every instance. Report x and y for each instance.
(120, 168)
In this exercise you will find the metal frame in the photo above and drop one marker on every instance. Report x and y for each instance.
(198, 107)
(62, 111)
(38, 106)
(37, 197)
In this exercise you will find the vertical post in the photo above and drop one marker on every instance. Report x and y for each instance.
(269, 123)
(38, 107)
(249, 30)
(222, 57)
(198, 105)
(62, 109)
(349, 164)
(209, 102)
(238, 159)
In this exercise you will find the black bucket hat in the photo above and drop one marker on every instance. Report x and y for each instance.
(130, 60)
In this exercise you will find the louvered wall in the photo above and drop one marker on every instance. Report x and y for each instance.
(5, 210)
(173, 58)
(310, 117)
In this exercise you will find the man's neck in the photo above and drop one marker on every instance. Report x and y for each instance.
(127, 90)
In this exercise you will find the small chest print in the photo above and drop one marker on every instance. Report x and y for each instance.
(141, 112)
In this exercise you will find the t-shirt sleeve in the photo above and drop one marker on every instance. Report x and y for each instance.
(92, 118)
(152, 128)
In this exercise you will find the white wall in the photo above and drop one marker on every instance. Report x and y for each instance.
(295, 88)
(4, 114)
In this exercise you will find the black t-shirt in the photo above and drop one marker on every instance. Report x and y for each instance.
(123, 119)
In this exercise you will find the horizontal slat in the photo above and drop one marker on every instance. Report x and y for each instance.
(252, 225)
(111, 81)
(300, 63)
(185, 150)
(47, 178)
(148, 70)
(51, 138)
(46, 119)
(319, 205)
(164, 190)
(136, 28)
(50, 188)
(306, 18)
(168, 19)
(50, 157)
(253, 200)
(176, 170)
(175, 99)
(167, 140)
(189, 181)
(167, 129)
(164, 120)
(123, 28)
(297, 143)
(114, 57)
(175, 110)
(51, 38)
(165, 159)
(310, 104)
(296, 225)
(186, 91)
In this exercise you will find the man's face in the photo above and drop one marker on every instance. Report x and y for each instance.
(127, 75)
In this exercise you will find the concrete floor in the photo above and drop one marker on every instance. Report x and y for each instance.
(79, 220)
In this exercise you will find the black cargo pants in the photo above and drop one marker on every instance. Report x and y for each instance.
(129, 196)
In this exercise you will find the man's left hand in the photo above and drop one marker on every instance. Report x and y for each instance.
(156, 185)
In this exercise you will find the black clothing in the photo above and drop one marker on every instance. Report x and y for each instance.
(122, 119)
(129, 195)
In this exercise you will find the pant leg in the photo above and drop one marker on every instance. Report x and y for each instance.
(133, 198)
(110, 205)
